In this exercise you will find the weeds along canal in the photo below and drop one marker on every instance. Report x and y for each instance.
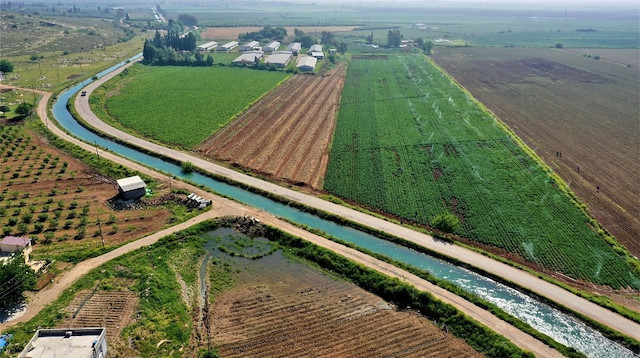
(544, 318)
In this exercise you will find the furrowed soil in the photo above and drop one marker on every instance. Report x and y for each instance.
(286, 134)
(100, 308)
(280, 308)
(579, 114)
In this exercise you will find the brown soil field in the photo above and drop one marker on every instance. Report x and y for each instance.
(231, 33)
(284, 309)
(286, 134)
(40, 185)
(110, 309)
(622, 57)
(579, 114)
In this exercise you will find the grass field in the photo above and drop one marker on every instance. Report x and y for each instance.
(183, 105)
(410, 143)
(562, 100)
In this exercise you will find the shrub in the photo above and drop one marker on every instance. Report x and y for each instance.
(446, 223)
(188, 167)
(48, 237)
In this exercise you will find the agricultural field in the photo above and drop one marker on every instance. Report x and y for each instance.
(286, 309)
(181, 106)
(242, 295)
(57, 200)
(231, 33)
(568, 102)
(278, 137)
(410, 143)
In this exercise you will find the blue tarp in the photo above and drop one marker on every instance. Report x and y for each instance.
(3, 340)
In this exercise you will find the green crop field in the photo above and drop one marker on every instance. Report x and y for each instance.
(184, 105)
(411, 143)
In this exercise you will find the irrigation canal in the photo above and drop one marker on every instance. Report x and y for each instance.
(550, 321)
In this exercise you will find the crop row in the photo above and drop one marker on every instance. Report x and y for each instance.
(408, 142)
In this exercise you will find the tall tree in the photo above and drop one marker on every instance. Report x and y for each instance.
(23, 109)
(394, 37)
(16, 278)
(427, 47)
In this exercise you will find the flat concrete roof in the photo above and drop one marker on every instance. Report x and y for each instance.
(53, 344)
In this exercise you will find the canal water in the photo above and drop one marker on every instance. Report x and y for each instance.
(550, 321)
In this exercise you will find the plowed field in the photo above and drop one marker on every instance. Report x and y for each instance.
(286, 134)
(304, 313)
(110, 309)
(559, 101)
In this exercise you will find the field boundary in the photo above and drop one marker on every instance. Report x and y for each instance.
(291, 195)
(561, 184)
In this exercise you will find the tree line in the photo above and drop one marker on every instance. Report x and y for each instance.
(174, 49)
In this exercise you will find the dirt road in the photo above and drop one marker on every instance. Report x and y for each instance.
(225, 207)
(509, 273)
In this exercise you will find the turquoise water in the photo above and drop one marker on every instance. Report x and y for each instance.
(562, 327)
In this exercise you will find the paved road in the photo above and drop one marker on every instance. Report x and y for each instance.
(226, 207)
(524, 279)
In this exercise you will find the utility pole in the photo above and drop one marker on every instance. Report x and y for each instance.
(100, 229)
(96, 145)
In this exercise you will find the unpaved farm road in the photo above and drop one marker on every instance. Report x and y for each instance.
(509, 273)
(226, 207)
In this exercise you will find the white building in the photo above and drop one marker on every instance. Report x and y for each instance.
(132, 187)
(271, 47)
(294, 48)
(248, 58)
(306, 64)
(249, 46)
(67, 343)
(207, 46)
(314, 48)
(228, 46)
(280, 59)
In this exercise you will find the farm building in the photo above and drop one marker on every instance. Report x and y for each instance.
(332, 51)
(131, 188)
(249, 46)
(272, 47)
(207, 46)
(228, 46)
(71, 342)
(307, 64)
(314, 48)
(11, 244)
(294, 48)
(248, 58)
(280, 59)
(318, 55)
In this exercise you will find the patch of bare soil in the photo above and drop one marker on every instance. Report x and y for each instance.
(580, 115)
(96, 308)
(286, 134)
(291, 310)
